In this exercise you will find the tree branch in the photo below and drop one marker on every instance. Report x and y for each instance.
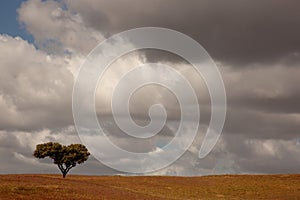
(61, 168)
(68, 169)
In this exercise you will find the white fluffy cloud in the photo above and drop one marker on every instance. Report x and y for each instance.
(56, 29)
(35, 88)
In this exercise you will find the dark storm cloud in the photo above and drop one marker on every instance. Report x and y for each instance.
(263, 156)
(282, 104)
(260, 125)
(263, 121)
(238, 32)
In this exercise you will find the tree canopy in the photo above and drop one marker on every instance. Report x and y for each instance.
(65, 157)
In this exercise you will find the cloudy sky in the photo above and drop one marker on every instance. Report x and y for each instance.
(255, 44)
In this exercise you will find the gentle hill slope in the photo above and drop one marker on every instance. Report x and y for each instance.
(155, 187)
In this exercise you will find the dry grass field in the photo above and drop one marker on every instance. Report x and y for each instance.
(149, 187)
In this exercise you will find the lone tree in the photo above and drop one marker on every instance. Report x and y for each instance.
(65, 157)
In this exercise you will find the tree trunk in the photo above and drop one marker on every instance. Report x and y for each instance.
(63, 170)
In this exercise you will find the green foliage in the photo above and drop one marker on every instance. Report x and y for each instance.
(65, 157)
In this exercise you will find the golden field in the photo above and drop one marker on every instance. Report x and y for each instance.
(149, 187)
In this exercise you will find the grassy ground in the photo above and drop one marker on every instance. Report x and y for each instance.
(117, 187)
